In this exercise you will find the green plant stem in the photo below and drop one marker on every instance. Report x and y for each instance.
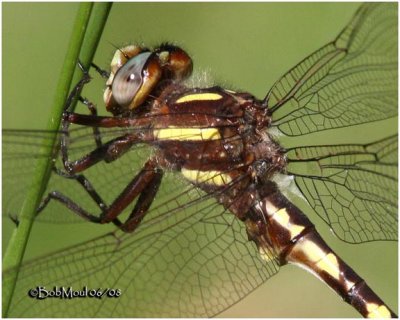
(91, 34)
(92, 37)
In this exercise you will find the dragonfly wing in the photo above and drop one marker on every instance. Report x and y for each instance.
(351, 81)
(22, 147)
(189, 257)
(20, 150)
(353, 188)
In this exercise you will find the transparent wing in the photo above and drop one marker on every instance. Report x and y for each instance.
(348, 82)
(21, 149)
(353, 188)
(352, 80)
(188, 258)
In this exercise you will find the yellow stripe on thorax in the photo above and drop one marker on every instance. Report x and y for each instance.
(211, 177)
(187, 134)
(199, 97)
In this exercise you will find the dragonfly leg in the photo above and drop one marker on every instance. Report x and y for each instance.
(70, 204)
(101, 72)
(14, 219)
(91, 106)
(145, 185)
(108, 152)
(108, 122)
(58, 196)
(85, 183)
(143, 204)
(93, 110)
(104, 74)
(75, 92)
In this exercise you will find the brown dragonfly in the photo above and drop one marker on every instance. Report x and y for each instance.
(204, 221)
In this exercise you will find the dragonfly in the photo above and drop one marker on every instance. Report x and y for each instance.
(190, 201)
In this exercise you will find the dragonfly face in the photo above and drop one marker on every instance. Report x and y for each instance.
(136, 71)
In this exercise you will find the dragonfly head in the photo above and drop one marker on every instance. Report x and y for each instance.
(136, 72)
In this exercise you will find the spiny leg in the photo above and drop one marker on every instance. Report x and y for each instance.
(69, 102)
(93, 111)
(85, 183)
(143, 204)
(108, 152)
(149, 173)
(91, 106)
(104, 74)
(145, 185)
(75, 93)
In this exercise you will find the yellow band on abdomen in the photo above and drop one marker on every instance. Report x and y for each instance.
(376, 311)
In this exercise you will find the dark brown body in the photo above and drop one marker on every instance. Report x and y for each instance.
(219, 141)
(246, 158)
(222, 131)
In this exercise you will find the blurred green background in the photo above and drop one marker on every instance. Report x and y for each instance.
(246, 46)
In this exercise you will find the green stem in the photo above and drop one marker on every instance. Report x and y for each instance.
(92, 37)
(81, 32)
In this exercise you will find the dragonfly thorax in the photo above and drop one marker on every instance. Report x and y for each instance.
(214, 136)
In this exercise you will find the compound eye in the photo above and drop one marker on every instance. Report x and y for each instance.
(129, 79)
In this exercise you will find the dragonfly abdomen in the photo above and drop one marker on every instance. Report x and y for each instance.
(284, 229)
